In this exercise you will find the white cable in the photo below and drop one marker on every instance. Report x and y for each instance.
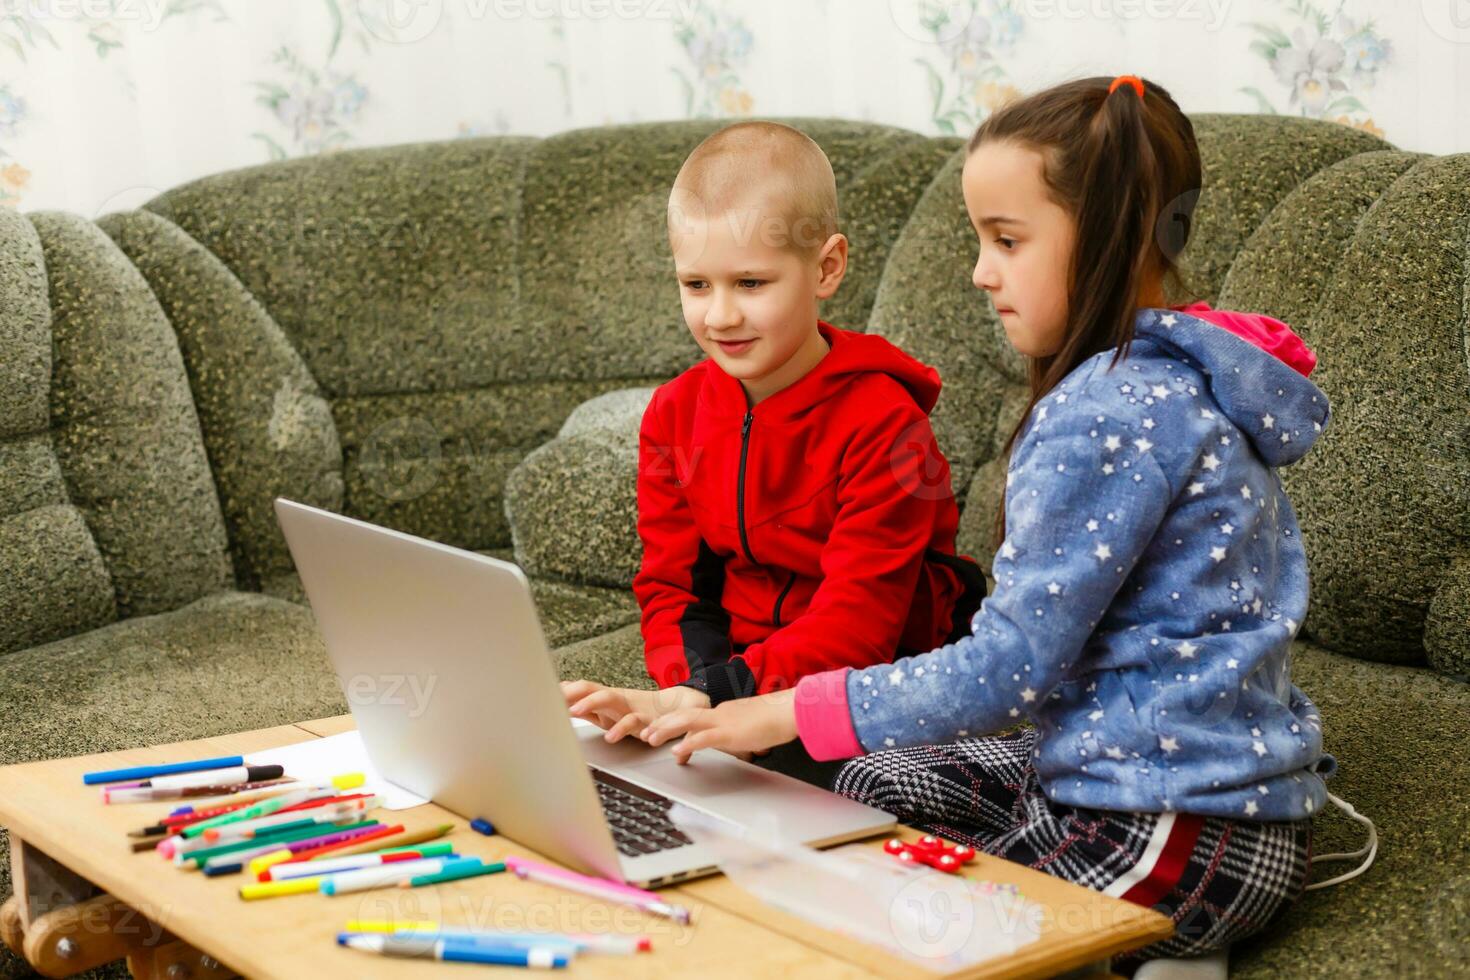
(1370, 849)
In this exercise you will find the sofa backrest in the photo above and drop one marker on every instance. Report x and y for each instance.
(107, 505)
(429, 314)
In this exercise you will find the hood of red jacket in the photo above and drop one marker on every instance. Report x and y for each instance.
(852, 354)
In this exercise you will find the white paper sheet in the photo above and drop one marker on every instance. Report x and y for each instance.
(318, 760)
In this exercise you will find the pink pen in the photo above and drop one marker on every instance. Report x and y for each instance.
(603, 888)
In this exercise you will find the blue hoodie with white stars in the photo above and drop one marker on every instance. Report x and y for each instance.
(1149, 586)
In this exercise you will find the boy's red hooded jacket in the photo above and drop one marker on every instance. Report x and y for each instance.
(812, 531)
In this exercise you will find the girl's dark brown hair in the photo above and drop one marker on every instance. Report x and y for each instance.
(1127, 169)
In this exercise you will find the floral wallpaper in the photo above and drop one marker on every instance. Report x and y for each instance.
(103, 98)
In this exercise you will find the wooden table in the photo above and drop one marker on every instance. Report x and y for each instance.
(81, 891)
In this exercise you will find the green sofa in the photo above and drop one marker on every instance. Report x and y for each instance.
(457, 339)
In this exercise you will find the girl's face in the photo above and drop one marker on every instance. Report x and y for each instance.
(1026, 242)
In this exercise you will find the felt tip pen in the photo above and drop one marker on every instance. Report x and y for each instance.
(154, 794)
(306, 869)
(340, 848)
(179, 849)
(211, 777)
(454, 873)
(243, 851)
(282, 852)
(273, 789)
(582, 942)
(402, 840)
(347, 882)
(446, 950)
(608, 891)
(249, 828)
(271, 805)
(150, 772)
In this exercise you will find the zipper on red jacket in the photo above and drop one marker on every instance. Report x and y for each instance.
(740, 485)
(776, 615)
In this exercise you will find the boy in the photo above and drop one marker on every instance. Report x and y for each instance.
(795, 513)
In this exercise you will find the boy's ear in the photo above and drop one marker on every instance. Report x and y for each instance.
(831, 265)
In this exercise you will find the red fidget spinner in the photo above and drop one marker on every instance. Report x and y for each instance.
(932, 851)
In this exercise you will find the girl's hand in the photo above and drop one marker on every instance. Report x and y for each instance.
(623, 711)
(745, 725)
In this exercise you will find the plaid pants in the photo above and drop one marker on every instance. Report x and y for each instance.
(1219, 880)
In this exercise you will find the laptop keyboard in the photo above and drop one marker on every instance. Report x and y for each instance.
(639, 818)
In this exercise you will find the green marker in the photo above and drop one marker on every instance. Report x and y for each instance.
(454, 873)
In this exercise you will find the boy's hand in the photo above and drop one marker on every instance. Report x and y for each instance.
(622, 711)
(741, 726)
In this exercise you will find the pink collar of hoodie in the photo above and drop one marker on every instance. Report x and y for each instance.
(1267, 333)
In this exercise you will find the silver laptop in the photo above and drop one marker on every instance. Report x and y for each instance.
(441, 656)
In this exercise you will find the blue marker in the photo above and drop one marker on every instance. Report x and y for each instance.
(148, 772)
(434, 948)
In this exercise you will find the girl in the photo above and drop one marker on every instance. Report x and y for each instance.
(1150, 574)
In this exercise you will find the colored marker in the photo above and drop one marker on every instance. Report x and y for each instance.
(442, 949)
(347, 782)
(245, 829)
(284, 852)
(153, 794)
(482, 826)
(212, 777)
(243, 850)
(346, 882)
(454, 873)
(405, 840)
(581, 942)
(608, 891)
(150, 772)
(278, 889)
(350, 847)
(274, 803)
(306, 869)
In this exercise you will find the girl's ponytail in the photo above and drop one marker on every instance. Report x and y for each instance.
(1121, 158)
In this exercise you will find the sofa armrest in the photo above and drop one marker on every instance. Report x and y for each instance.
(572, 504)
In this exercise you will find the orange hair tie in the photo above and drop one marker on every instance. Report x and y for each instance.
(1132, 80)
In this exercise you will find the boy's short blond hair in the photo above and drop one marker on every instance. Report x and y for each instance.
(761, 165)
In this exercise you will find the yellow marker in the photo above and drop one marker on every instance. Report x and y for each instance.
(391, 925)
(274, 889)
(259, 864)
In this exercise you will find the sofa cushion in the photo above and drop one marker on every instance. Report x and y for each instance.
(615, 659)
(434, 463)
(394, 273)
(1403, 753)
(573, 503)
(1368, 261)
(267, 428)
(124, 426)
(53, 581)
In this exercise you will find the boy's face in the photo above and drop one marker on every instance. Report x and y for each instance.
(1026, 242)
(749, 299)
